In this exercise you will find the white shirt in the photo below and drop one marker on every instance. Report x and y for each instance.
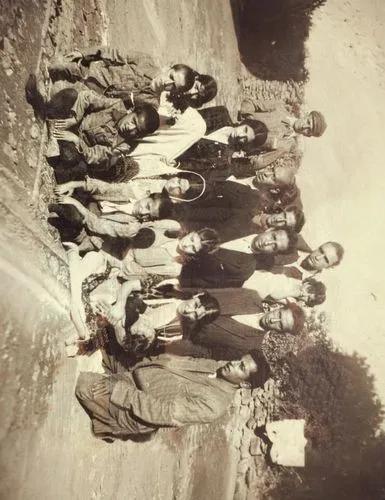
(170, 141)
(246, 182)
(249, 319)
(221, 135)
(279, 285)
(240, 244)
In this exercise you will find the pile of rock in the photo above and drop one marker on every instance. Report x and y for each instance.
(254, 408)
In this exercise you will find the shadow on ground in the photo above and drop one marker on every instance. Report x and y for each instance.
(272, 34)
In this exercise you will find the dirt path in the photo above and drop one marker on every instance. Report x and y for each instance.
(51, 453)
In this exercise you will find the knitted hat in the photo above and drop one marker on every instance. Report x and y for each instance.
(319, 123)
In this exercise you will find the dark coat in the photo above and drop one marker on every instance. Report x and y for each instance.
(224, 269)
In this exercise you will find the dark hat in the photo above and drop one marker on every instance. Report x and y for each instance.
(319, 123)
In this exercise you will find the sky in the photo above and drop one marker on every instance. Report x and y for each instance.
(342, 176)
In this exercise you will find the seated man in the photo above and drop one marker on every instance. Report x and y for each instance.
(104, 126)
(183, 186)
(236, 261)
(233, 335)
(133, 76)
(283, 131)
(169, 391)
(90, 229)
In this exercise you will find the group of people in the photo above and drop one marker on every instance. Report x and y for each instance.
(182, 230)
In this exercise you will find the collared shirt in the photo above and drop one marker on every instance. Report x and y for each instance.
(249, 319)
(172, 141)
(240, 244)
(221, 135)
(276, 285)
(248, 181)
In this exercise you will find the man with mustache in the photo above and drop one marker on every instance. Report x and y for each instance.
(168, 391)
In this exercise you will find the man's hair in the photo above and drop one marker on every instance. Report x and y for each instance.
(319, 123)
(189, 75)
(165, 204)
(260, 132)
(264, 373)
(150, 116)
(298, 318)
(210, 92)
(291, 236)
(211, 306)
(299, 218)
(318, 289)
(209, 239)
(293, 240)
(339, 250)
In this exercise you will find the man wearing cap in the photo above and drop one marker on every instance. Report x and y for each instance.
(284, 131)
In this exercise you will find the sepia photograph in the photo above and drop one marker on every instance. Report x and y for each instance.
(192, 227)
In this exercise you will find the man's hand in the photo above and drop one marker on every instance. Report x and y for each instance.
(102, 388)
(107, 311)
(67, 188)
(64, 124)
(65, 135)
(67, 200)
(70, 246)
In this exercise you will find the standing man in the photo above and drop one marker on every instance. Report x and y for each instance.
(283, 131)
(233, 335)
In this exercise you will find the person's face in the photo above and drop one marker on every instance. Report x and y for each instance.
(271, 242)
(192, 309)
(190, 244)
(146, 209)
(177, 186)
(304, 126)
(280, 320)
(274, 176)
(241, 135)
(323, 257)
(171, 79)
(238, 371)
(132, 125)
(281, 220)
(197, 90)
(307, 294)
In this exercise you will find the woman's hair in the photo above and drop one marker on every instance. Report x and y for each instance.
(189, 75)
(165, 206)
(197, 185)
(318, 290)
(263, 373)
(210, 91)
(211, 306)
(299, 218)
(191, 328)
(209, 239)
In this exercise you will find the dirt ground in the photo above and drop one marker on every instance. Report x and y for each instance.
(47, 450)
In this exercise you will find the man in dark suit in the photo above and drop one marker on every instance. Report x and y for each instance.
(232, 267)
(230, 336)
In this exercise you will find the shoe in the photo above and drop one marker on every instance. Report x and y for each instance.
(34, 97)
